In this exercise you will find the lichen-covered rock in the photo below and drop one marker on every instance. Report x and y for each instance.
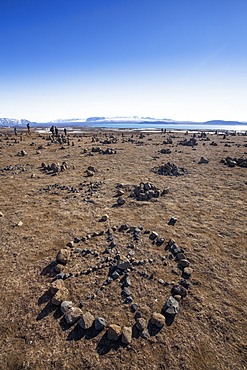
(61, 295)
(158, 320)
(126, 335)
(66, 306)
(86, 321)
(56, 285)
(63, 256)
(141, 323)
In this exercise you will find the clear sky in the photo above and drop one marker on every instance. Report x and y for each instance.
(177, 59)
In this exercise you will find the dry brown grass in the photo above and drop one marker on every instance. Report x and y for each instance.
(210, 330)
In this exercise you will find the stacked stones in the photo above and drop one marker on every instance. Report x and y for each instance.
(165, 151)
(191, 142)
(169, 169)
(55, 167)
(99, 150)
(147, 191)
(90, 171)
(168, 141)
(232, 162)
(22, 153)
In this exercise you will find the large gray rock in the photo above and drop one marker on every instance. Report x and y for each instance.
(171, 306)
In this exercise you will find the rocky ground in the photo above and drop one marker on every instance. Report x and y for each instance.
(144, 237)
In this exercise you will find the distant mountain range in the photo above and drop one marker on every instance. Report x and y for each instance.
(77, 122)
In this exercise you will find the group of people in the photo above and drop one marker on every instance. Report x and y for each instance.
(54, 131)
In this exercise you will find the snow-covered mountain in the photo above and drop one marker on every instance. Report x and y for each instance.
(91, 121)
(13, 122)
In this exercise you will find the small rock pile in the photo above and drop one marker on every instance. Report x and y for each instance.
(169, 169)
(232, 162)
(90, 171)
(191, 142)
(147, 191)
(55, 167)
(165, 151)
(22, 153)
(99, 150)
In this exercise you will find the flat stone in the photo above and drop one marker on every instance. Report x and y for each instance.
(63, 256)
(126, 335)
(114, 331)
(86, 321)
(158, 320)
(56, 285)
(115, 275)
(61, 295)
(73, 315)
(153, 235)
(180, 256)
(183, 263)
(65, 306)
(179, 290)
(188, 271)
(99, 323)
(123, 264)
(126, 292)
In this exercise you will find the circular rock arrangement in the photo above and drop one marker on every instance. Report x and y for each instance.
(122, 262)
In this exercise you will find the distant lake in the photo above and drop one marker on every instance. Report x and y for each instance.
(148, 126)
(184, 126)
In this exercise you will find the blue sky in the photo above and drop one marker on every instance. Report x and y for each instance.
(180, 59)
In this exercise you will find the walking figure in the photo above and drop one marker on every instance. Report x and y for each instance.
(28, 129)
